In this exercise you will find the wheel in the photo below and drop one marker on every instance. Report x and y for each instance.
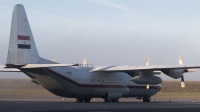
(147, 99)
(79, 100)
(87, 99)
(107, 100)
(115, 100)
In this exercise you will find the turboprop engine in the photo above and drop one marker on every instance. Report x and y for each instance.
(146, 79)
(178, 73)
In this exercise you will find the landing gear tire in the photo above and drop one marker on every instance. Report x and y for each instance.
(107, 100)
(147, 99)
(111, 100)
(79, 100)
(87, 99)
(115, 100)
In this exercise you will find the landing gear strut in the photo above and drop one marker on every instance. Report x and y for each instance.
(147, 99)
(106, 100)
(79, 100)
(87, 99)
(115, 100)
(111, 100)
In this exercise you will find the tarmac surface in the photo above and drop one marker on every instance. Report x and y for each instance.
(42, 103)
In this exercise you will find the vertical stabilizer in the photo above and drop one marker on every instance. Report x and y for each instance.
(22, 48)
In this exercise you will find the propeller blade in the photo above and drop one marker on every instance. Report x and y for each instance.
(182, 82)
(147, 60)
(84, 62)
(147, 86)
(182, 78)
(54, 60)
(181, 60)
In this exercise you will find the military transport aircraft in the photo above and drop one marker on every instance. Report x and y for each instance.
(82, 81)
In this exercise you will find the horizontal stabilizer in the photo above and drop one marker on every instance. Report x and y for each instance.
(47, 65)
(2, 66)
(9, 70)
(5, 69)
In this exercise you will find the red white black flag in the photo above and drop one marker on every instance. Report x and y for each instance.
(24, 42)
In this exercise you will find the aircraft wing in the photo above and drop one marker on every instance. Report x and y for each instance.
(128, 68)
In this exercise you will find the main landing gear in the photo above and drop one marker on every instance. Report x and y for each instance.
(147, 99)
(111, 100)
(80, 100)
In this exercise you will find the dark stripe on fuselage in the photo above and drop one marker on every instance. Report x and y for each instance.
(24, 46)
(99, 86)
(22, 37)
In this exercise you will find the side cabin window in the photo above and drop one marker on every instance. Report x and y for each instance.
(96, 81)
(92, 80)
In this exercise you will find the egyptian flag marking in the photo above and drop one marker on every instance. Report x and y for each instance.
(24, 42)
(21, 37)
(24, 46)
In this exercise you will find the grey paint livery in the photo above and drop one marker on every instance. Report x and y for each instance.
(81, 82)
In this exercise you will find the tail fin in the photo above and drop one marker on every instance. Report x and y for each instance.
(22, 48)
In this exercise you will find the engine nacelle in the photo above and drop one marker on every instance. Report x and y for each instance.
(177, 73)
(142, 79)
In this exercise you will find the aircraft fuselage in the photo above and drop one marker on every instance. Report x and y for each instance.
(76, 82)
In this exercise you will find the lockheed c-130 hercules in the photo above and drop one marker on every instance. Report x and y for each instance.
(81, 81)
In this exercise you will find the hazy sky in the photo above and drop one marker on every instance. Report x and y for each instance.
(110, 32)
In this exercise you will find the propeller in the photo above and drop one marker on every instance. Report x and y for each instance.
(182, 82)
(147, 63)
(54, 60)
(182, 78)
(154, 72)
(84, 62)
(147, 86)
(147, 60)
(181, 60)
